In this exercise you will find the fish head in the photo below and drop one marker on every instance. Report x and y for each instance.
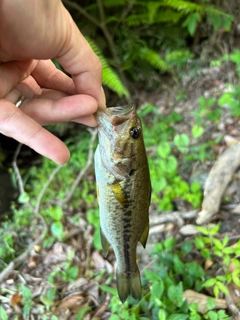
(120, 137)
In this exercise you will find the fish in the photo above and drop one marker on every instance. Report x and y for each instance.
(123, 192)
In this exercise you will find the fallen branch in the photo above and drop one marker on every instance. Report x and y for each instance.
(176, 217)
(16, 262)
(217, 181)
(232, 307)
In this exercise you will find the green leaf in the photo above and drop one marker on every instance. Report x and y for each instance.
(225, 240)
(164, 149)
(218, 244)
(181, 141)
(159, 184)
(169, 243)
(151, 276)
(235, 277)
(203, 230)
(210, 282)
(216, 291)
(214, 230)
(175, 293)
(186, 247)
(222, 288)
(212, 315)
(178, 316)
(46, 301)
(23, 198)
(199, 242)
(210, 303)
(56, 213)
(72, 273)
(57, 230)
(172, 164)
(162, 314)
(108, 289)
(3, 314)
(197, 131)
(157, 289)
(191, 22)
(80, 315)
(97, 239)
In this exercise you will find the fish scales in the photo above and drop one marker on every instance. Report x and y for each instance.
(123, 187)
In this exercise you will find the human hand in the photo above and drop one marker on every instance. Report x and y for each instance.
(31, 33)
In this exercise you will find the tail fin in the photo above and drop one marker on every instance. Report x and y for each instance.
(129, 284)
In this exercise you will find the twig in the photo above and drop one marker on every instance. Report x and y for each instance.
(84, 170)
(16, 169)
(16, 262)
(123, 16)
(111, 43)
(76, 6)
(41, 194)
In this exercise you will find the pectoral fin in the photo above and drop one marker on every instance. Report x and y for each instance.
(119, 194)
(105, 243)
(144, 236)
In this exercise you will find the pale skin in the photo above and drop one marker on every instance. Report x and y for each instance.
(32, 33)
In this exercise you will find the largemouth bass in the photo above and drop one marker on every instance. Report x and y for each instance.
(124, 190)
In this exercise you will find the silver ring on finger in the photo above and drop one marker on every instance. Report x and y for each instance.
(19, 101)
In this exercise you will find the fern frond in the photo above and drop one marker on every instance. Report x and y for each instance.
(168, 15)
(137, 19)
(109, 76)
(112, 81)
(182, 5)
(153, 58)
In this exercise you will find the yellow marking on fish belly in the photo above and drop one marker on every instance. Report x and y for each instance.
(119, 194)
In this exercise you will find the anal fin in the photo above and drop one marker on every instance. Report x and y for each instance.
(144, 236)
(104, 242)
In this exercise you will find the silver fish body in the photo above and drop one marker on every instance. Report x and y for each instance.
(124, 189)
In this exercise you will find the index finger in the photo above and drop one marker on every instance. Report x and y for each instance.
(17, 125)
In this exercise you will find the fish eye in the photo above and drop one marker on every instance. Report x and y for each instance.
(135, 132)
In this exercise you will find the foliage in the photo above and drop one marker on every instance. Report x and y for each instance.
(171, 274)
(131, 36)
(211, 248)
(168, 187)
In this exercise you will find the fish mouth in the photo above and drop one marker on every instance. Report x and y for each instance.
(120, 110)
(115, 117)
